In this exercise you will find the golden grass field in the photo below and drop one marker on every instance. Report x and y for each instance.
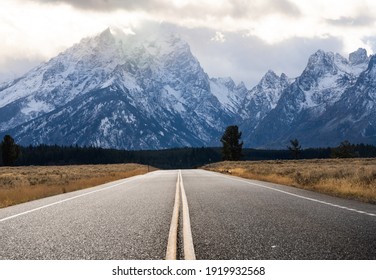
(347, 178)
(21, 184)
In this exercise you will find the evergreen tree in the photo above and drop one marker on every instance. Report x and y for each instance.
(232, 148)
(295, 148)
(344, 150)
(10, 151)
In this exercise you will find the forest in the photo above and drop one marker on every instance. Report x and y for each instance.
(187, 157)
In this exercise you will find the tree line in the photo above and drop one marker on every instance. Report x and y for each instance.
(13, 154)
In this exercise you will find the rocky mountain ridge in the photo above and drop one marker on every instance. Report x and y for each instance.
(150, 92)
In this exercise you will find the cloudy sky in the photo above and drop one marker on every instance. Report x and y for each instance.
(238, 38)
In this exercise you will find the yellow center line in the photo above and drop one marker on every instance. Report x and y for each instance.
(172, 237)
(189, 252)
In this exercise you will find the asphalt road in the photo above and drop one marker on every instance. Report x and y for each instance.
(230, 218)
(234, 218)
(126, 221)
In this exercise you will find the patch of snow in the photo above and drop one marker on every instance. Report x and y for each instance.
(129, 118)
(36, 106)
(130, 82)
(221, 92)
(309, 99)
(177, 94)
(108, 83)
(105, 126)
(174, 98)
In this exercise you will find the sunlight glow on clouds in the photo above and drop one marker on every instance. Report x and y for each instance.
(36, 30)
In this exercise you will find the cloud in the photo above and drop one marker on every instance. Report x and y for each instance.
(218, 37)
(352, 21)
(219, 15)
(370, 41)
(106, 5)
(243, 8)
(12, 67)
(248, 58)
(194, 9)
(237, 38)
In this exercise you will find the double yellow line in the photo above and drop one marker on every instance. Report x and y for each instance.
(189, 251)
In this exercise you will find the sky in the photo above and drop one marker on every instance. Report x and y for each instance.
(231, 38)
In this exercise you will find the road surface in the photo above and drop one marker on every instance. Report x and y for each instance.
(228, 217)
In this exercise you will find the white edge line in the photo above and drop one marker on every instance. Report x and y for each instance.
(172, 237)
(303, 197)
(189, 251)
(64, 200)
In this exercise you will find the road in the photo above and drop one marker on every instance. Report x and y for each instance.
(129, 220)
(230, 218)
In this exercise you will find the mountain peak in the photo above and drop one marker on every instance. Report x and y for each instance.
(133, 90)
(285, 78)
(106, 32)
(106, 35)
(358, 57)
(270, 73)
(319, 64)
(321, 59)
(269, 77)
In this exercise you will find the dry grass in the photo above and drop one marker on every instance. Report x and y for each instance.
(21, 184)
(348, 178)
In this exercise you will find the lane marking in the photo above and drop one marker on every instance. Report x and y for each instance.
(174, 227)
(303, 197)
(64, 200)
(189, 251)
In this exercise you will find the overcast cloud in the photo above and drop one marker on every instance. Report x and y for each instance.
(109, 5)
(238, 38)
(192, 8)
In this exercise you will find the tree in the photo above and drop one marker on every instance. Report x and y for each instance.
(232, 148)
(10, 151)
(295, 148)
(344, 150)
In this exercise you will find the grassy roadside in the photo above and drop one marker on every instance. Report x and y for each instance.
(22, 184)
(347, 178)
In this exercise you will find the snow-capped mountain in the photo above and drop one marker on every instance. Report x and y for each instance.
(303, 104)
(261, 100)
(118, 91)
(354, 115)
(148, 91)
(230, 95)
(60, 80)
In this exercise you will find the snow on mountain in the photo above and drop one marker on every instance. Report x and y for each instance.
(326, 77)
(230, 95)
(54, 83)
(148, 91)
(358, 57)
(158, 89)
(260, 100)
(322, 85)
(352, 117)
(265, 95)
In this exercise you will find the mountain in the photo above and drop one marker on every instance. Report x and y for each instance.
(354, 115)
(116, 91)
(261, 100)
(148, 91)
(308, 104)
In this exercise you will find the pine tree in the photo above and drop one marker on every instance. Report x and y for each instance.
(232, 148)
(295, 148)
(10, 151)
(344, 150)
